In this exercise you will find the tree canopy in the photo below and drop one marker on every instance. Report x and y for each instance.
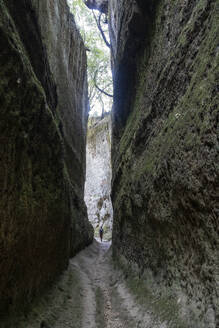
(98, 55)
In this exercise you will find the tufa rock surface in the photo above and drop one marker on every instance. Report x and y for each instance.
(43, 100)
(165, 58)
(99, 174)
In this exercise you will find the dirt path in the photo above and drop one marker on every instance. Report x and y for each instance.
(90, 294)
(106, 301)
(96, 276)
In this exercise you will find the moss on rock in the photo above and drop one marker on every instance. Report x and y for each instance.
(164, 158)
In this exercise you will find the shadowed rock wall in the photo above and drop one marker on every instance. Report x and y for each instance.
(165, 149)
(43, 101)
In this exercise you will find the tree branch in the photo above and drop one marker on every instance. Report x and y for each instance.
(99, 89)
(98, 22)
(102, 91)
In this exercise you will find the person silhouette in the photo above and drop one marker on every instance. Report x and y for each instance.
(101, 233)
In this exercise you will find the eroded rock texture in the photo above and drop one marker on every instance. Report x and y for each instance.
(165, 148)
(99, 174)
(43, 100)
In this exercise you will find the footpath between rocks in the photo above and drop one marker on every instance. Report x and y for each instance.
(90, 294)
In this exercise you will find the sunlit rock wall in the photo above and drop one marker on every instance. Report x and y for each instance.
(43, 116)
(98, 175)
(165, 58)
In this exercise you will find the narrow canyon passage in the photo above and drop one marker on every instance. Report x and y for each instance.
(159, 71)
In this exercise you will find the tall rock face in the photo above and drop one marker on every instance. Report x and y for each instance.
(99, 174)
(43, 100)
(165, 59)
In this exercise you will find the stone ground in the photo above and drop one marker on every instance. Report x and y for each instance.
(90, 294)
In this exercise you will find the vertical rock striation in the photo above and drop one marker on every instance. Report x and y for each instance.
(67, 59)
(165, 58)
(99, 173)
(43, 100)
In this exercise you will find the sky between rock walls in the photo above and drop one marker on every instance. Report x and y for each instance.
(99, 53)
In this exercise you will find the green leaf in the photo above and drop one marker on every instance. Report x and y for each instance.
(98, 57)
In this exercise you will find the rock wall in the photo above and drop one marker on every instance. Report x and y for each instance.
(99, 174)
(165, 58)
(43, 100)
